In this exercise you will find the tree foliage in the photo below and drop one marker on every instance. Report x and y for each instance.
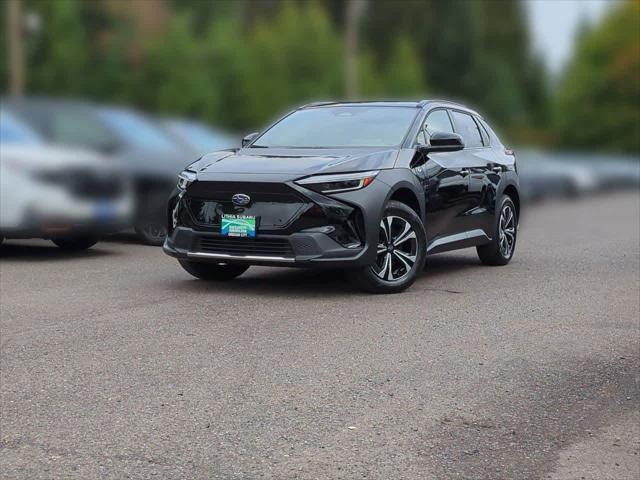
(598, 103)
(60, 59)
(240, 63)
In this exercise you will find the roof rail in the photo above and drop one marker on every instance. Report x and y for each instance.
(318, 104)
(449, 102)
(350, 102)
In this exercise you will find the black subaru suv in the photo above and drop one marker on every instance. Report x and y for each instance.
(371, 187)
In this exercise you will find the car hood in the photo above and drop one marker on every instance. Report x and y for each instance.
(292, 163)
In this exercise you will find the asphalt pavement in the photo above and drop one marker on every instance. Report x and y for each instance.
(116, 364)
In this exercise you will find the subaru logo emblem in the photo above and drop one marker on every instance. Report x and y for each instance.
(240, 199)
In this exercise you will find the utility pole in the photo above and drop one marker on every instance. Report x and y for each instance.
(16, 48)
(354, 11)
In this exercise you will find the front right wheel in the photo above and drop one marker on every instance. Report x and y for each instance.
(400, 253)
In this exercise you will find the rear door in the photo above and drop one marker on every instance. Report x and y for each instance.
(498, 163)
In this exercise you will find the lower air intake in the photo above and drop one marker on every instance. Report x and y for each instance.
(246, 246)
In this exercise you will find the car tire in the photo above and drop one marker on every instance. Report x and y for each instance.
(500, 250)
(75, 244)
(151, 233)
(401, 252)
(213, 271)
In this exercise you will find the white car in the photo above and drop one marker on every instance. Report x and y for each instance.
(70, 196)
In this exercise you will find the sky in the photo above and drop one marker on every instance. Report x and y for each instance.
(554, 23)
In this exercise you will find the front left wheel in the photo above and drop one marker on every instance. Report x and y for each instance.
(400, 253)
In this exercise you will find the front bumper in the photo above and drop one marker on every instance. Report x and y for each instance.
(297, 227)
(303, 249)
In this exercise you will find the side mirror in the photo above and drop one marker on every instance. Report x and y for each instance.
(444, 142)
(249, 138)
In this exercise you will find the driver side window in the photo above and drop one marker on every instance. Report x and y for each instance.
(437, 121)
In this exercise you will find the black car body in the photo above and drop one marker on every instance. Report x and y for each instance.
(325, 207)
(152, 158)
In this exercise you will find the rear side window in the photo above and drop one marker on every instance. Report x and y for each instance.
(483, 132)
(467, 128)
(495, 140)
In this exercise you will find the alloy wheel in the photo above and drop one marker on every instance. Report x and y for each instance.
(507, 231)
(397, 249)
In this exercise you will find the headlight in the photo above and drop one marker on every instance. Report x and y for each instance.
(341, 182)
(185, 179)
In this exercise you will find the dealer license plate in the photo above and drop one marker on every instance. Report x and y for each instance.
(238, 225)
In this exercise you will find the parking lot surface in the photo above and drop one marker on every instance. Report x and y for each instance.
(117, 364)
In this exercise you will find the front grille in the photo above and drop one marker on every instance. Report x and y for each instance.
(274, 204)
(246, 246)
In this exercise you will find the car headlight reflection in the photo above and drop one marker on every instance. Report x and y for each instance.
(185, 179)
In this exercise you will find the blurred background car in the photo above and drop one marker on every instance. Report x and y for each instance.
(199, 137)
(151, 157)
(610, 171)
(543, 176)
(71, 196)
(547, 175)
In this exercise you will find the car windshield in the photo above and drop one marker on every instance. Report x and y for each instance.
(13, 130)
(340, 126)
(200, 136)
(137, 130)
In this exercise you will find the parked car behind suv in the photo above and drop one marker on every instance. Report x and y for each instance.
(69, 195)
(370, 187)
(199, 137)
(150, 155)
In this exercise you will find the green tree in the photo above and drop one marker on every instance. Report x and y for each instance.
(4, 57)
(404, 73)
(292, 58)
(240, 63)
(478, 52)
(175, 75)
(58, 63)
(598, 102)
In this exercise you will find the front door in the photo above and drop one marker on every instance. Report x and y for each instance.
(445, 178)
